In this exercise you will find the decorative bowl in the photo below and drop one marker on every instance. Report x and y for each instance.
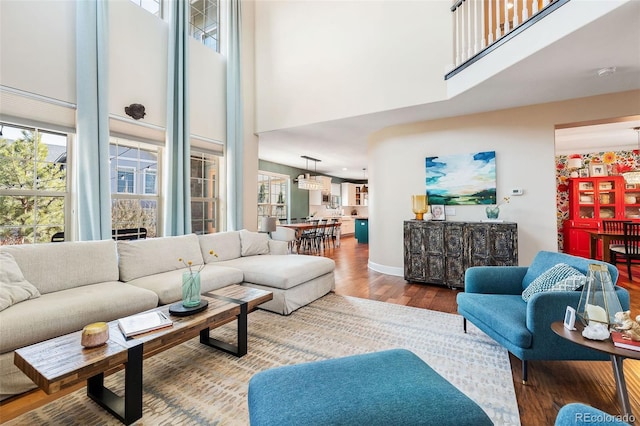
(95, 334)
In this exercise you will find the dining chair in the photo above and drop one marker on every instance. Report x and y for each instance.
(614, 226)
(308, 236)
(631, 248)
(330, 232)
(319, 240)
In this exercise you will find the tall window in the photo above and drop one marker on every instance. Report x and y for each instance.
(203, 22)
(134, 186)
(204, 193)
(33, 184)
(273, 195)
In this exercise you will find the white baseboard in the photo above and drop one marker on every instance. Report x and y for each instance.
(384, 269)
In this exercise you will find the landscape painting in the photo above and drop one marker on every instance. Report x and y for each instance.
(462, 179)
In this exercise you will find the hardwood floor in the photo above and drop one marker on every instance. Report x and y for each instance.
(551, 384)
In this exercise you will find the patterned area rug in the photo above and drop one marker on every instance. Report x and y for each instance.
(192, 384)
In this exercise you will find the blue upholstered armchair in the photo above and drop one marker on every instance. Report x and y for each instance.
(492, 301)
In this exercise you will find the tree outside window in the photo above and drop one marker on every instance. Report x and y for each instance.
(33, 184)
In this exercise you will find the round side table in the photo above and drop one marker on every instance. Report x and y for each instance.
(617, 356)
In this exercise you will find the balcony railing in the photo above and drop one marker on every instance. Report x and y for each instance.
(480, 26)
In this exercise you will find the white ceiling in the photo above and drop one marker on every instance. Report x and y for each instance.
(617, 136)
(564, 70)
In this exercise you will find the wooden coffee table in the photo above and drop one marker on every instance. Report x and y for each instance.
(62, 362)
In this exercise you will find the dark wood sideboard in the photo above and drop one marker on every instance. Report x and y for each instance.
(440, 252)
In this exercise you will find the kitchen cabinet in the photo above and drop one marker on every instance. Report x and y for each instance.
(348, 226)
(315, 197)
(348, 194)
(441, 252)
(590, 201)
(362, 230)
(352, 195)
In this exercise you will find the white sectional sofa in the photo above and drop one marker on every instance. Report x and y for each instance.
(77, 283)
(294, 280)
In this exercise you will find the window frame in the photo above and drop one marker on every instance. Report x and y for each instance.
(202, 31)
(35, 193)
(138, 196)
(140, 4)
(270, 206)
(211, 203)
(146, 172)
(128, 170)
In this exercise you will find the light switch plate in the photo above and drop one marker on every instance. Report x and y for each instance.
(449, 211)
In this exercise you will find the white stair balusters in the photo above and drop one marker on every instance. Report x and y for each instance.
(490, 38)
(498, 34)
(506, 17)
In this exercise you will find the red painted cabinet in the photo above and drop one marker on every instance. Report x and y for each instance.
(590, 201)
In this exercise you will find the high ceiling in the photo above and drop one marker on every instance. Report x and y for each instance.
(564, 70)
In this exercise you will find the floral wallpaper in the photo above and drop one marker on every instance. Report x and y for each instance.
(616, 162)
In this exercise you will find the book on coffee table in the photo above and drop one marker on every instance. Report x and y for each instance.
(143, 323)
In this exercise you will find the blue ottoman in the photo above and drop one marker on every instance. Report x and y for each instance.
(577, 414)
(383, 388)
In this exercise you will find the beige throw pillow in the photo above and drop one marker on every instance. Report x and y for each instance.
(14, 288)
(254, 243)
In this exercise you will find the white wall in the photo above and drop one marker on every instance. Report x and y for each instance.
(37, 41)
(37, 44)
(321, 60)
(207, 90)
(137, 63)
(523, 139)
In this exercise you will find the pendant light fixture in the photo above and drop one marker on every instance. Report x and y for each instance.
(633, 177)
(364, 175)
(306, 181)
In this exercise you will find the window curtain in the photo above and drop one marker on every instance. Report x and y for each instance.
(177, 197)
(92, 81)
(235, 144)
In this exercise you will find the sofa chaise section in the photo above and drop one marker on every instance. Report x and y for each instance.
(294, 280)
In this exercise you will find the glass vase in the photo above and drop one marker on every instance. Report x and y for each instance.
(190, 289)
(492, 212)
(419, 206)
(598, 301)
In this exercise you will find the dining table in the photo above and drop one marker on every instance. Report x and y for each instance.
(606, 237)
(303, 226)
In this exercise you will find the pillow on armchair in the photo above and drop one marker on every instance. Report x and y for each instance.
(557, 274)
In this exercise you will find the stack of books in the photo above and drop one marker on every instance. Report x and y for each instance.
(143, 323)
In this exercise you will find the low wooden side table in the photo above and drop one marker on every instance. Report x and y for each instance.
(617, 356)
